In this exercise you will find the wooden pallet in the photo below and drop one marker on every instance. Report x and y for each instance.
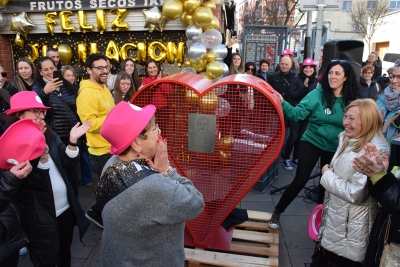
(254, 244)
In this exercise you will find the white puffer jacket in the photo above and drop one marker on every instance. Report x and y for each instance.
(348, 212)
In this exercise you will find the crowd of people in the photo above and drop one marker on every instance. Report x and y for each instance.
(142, 202)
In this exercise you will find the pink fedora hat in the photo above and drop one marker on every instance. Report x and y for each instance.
(22, 141)
(25, 100)
(308, 62)
(287, 52)
(124, 123)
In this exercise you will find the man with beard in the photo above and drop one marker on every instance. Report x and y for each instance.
(55, 56)
(93, 103)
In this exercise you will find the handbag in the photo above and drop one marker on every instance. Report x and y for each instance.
(319, 259)
(391, 251)
(13, 236)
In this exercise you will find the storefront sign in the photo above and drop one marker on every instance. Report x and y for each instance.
(59, 5)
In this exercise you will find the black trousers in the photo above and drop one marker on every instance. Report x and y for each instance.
(339, 261)
(97, 162)
(297, 129)
(308, 157)
(65, 223)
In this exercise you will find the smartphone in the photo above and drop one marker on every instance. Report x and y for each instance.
(233, 34)
(57, 74)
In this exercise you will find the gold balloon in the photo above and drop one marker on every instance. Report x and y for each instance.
(3, 3)
(35, 52)
(65, 22)
(50, 22)
(210, 4)
(191, 97)
(225, 157)
(44, 50)
(205, 75)
(202, 16)
(82, 22)
(154, 19)
(214, 69)
(186, 19)
(213, 25)
(172, 9)
(117, 23)
(101, 20)
(19, 41)
(209, 102)
(141, 53)
(112, 51)
(82, 55)
(152, 49)
(65, 53)
(199, 66)
(187, 63)
(175, 53)
(123, 51)
(191, 5)
(94, 49)
(210, 57)
(21, 24)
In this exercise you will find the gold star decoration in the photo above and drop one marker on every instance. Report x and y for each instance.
(154, 19)
(21, 23)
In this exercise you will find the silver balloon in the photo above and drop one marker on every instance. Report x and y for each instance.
(220, 52)
(220, 90)
(223, 107)
(211, 38)
(193, 32)
(189, 69)
(189, 43)
(216, 80)
(197, 51)
(3, 20)
(225, 68)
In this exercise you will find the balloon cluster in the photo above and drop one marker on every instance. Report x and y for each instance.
(203, 36)
(21, 24)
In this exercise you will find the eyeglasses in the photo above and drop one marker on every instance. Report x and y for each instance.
(341, 61)
(37, 112)
(101, 68)
(157, 130)
(3, 74)
(391, 76)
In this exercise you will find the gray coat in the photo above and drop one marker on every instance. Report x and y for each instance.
(349, 211)
(144, 225)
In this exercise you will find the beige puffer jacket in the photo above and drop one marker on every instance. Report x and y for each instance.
(348, 212)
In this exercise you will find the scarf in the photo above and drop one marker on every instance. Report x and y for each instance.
(392, 99)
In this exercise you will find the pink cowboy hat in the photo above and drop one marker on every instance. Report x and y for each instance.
(287, 52)
(25, 100)
(308, 62)
(22, 141)
(124, 123)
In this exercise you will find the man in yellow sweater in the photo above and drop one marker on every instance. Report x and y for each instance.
(93, 104)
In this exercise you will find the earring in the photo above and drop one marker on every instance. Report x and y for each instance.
(138, 155)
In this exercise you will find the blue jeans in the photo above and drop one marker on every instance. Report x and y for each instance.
(86, 171)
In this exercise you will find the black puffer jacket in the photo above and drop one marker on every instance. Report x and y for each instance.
(280, 82)
(38, 208)
(62, 116)
(297, 90)
(387, 192)
(368, 91)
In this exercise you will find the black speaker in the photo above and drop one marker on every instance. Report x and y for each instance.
(350, 50)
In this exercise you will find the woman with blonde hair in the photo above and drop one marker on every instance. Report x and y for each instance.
(349, 211)
(24, 78)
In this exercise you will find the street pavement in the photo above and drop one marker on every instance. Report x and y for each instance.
(295, 247)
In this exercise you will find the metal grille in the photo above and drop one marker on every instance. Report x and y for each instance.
(249, 132)
(278, 32)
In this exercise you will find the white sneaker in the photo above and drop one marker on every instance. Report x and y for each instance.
(287, 165)
(23, 251)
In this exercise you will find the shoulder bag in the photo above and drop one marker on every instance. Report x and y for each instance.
(391, 251)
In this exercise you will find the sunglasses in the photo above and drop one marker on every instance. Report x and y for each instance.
(252, 69)
(3, 74)
(341, 61)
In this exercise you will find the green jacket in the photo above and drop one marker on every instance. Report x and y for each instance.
(323, 129)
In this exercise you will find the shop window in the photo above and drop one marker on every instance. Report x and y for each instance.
(394, 4)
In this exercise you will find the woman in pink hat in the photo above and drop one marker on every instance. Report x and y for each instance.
(146, 201)
(300, 86)
(47, 200)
